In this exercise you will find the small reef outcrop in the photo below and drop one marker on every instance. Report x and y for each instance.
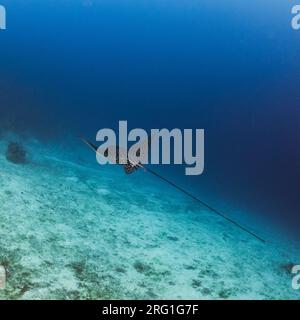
(16, 153)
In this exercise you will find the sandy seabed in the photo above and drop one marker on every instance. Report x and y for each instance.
(72, 230)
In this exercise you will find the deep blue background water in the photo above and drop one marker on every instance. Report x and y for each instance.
(230, 67)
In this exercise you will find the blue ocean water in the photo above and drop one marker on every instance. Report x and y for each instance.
(70, 68)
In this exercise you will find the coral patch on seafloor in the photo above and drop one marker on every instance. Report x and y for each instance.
(16, 153)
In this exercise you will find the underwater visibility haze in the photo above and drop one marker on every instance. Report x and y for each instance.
(72, 229)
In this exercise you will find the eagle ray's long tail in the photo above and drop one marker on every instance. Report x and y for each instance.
(205, 205)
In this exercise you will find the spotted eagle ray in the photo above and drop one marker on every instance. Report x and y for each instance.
(120, 156)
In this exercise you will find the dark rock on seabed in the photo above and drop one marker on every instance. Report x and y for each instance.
(16, 153)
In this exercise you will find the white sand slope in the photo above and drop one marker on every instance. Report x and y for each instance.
(70, 230)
